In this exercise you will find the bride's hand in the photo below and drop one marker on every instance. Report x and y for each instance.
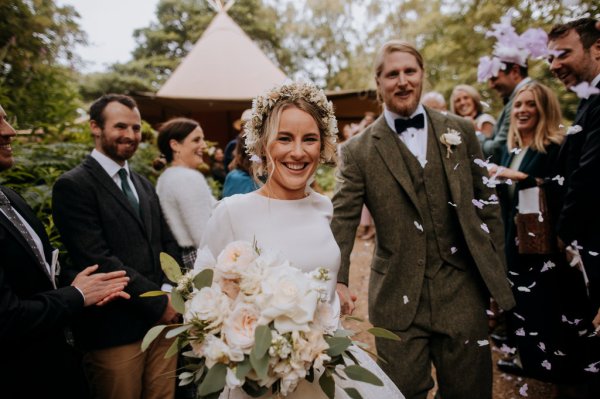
(347, 299)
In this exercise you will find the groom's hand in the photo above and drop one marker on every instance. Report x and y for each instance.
(347, 299)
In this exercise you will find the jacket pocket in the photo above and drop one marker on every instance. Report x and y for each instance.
(380, 265)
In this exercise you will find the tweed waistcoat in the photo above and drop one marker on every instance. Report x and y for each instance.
(445, 243)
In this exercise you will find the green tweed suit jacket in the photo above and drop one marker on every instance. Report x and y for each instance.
(373, 172)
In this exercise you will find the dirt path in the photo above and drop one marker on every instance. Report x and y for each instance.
(505, 386)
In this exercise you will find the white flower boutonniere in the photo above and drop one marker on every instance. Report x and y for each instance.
(574, 130)
(450, 139)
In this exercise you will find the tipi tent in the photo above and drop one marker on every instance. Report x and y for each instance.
(219, 77)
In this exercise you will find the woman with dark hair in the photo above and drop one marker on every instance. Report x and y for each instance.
(238, 180)
(185, 198)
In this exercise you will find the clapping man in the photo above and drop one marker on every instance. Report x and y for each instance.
(36, 360)
(437, 257)
(109, 215)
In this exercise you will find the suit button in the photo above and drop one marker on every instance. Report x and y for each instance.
(420, 262)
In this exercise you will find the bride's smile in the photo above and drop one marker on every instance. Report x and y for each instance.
(293, 155)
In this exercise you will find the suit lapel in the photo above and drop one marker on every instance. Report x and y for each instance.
(437, 124)
(23, 210)
(109, 185)
(387, 144)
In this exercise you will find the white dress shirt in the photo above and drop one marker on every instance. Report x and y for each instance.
(112, 168)
(414, 139)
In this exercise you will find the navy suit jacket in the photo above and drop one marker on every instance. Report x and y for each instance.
(99, 226)
(33, 316)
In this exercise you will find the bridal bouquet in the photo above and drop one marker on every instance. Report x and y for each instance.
(255, 322)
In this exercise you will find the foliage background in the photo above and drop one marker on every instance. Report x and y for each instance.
(331, 42)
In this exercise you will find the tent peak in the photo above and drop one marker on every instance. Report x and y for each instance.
(220, 5)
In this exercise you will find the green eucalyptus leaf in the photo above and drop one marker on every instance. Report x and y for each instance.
(170, 267)
(343, 333)
(150, 294)
(177, 301)
(260, 364)
(262, 340)
(383, 333)
(327, 385)
(354, 318)
(353, 393)
(214, 381)
(151, 336)
(177, 330)
(337, 345)
(359, 373)
(203, 279)
(173, 349)
(243, 368)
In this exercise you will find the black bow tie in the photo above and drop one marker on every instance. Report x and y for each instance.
(417, 122)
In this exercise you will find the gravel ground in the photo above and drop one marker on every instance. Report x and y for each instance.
(505, 386)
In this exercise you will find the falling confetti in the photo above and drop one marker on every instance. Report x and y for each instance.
(548, 265)
(593, 253)
(452, 204)
(405, 299)
(542, 346)
(485, 228)
(592, 368)
(520, 332)
(559, 353)
(523, 390)
(508, 350)
(453, 250)
(477, 203)
(418, 226)
(483, 342)
(546, 364)
(559, 179)
(518, 316)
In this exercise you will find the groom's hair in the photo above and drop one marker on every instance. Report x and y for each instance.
(393, 46)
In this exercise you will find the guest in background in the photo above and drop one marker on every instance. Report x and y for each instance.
(465, 101)
(217, 167)
(185, 197)
(434, 100)
(230, 147)
(238, 180)
(545, 287)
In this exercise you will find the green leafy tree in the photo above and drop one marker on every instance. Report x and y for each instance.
(36, 38)
(163, 44)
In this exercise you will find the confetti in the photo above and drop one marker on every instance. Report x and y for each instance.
(542, 347)
(574, 130)
(405, 299)
(477, 203)
(485, 228)
(573, 323)
(516, 151)
(559, 179)
(559, 353)
(452, 204)
(523, 390)
(593, 253)
(520, 332)
(584, 90)
(418, 226)
(548, 265)
(592, 368)
(533, 333)
(508, 350)
(518, 316)
(546, 364)
(523, 289)
(483, 342)
(453, 250)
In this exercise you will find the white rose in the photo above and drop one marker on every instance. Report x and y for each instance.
(452, 138)
(216, 351)
(287, 299)
(235, 257)
(209, 305)
(252, 277)
(238, 328)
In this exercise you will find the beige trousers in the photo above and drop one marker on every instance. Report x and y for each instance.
(125, 372)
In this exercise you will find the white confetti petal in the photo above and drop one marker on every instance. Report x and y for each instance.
(593, 253)
(508, 350)
(483, 342)
(453, 250)
(523, 289)
(559, 353)
(485, 228)
(523, 390)
(477, 203)
(418, 225)
(542, 346)
(518, 316)
(452, 204)
(559, 179)
(405, 299)
(533, 333)
(546, 364)
(592, 368)
(548, 265)
(520, 332)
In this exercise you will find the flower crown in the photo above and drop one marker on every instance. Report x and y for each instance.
(263, 104)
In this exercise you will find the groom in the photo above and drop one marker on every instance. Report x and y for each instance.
(438, 256)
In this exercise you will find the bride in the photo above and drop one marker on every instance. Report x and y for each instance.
(291, 131)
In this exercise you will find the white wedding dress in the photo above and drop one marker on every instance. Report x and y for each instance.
(299, 230)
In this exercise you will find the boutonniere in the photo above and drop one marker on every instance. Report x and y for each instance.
(450, 139)
(574, 129)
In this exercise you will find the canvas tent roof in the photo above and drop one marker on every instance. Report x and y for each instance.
(225, 64)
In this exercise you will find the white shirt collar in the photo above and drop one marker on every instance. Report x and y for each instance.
(390, 116)
(596, 80)
(109, 165)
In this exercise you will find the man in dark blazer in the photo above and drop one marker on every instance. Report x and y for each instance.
(438, 256)
(36, 360)
(110, 215)
(575, 59)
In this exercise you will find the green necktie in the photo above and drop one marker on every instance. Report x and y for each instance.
(128, 191)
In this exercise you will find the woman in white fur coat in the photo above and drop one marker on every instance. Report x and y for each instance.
(185, 197)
